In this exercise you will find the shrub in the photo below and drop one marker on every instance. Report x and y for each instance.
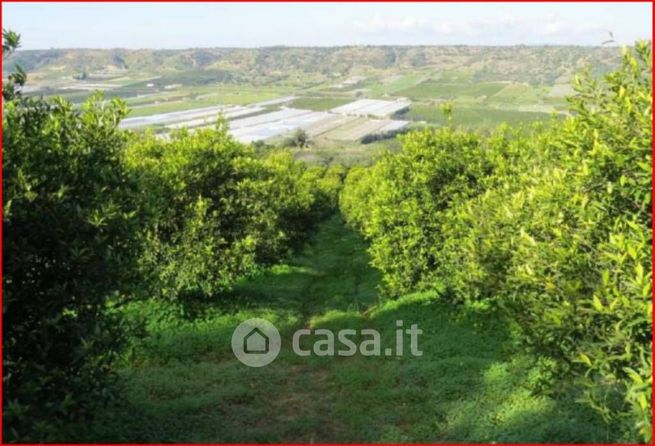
(398, 205)
(70, 241)
(298, 138)
(551, 224)
(218, 211)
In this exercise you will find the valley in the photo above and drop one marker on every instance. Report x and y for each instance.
(331, 94)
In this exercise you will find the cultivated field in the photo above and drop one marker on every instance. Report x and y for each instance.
(269, 93)
(265, 120)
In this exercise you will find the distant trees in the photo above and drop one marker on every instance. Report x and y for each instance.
(418, 60)
(119, 61)
(81, 76)
(299, 138)
(447, 110)
(372, 137)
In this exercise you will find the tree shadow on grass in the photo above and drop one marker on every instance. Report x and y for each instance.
(469, 385)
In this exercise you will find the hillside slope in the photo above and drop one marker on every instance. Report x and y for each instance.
(534, 64)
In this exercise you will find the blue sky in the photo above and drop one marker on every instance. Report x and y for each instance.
(185, 25)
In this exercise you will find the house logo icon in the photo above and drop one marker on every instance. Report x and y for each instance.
(256, 342)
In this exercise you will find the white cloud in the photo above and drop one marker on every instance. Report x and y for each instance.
(443, 28)
(410, 23)
(378, 24)
(551, 28)
(556, 27)
(506, 21)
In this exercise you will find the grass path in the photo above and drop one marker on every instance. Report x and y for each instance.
(183, 384)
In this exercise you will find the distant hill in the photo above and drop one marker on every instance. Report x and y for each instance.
(537, 65)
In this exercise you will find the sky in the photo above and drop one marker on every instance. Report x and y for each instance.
(193, 25)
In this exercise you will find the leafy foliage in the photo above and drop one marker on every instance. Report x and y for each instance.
(399, 202)
(17, 78)
(94, 215)
(552, 225)
(70, 239)
(91, 210)
(218, 211)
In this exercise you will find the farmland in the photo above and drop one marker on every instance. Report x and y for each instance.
(270, 119)
(474, 116)
(433, 89)
(252, 89)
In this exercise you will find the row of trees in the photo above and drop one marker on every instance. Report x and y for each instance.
(94, 216)
(551, 225)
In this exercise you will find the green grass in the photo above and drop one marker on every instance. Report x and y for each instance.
(182, 384)
(517, 94)
(394, 84)
(461, 75)
(473, 117)
(195, 77)
(348, 153)
(561, 91)
(171, 106)
(434, 89)
(149, 99)
(220, 95)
